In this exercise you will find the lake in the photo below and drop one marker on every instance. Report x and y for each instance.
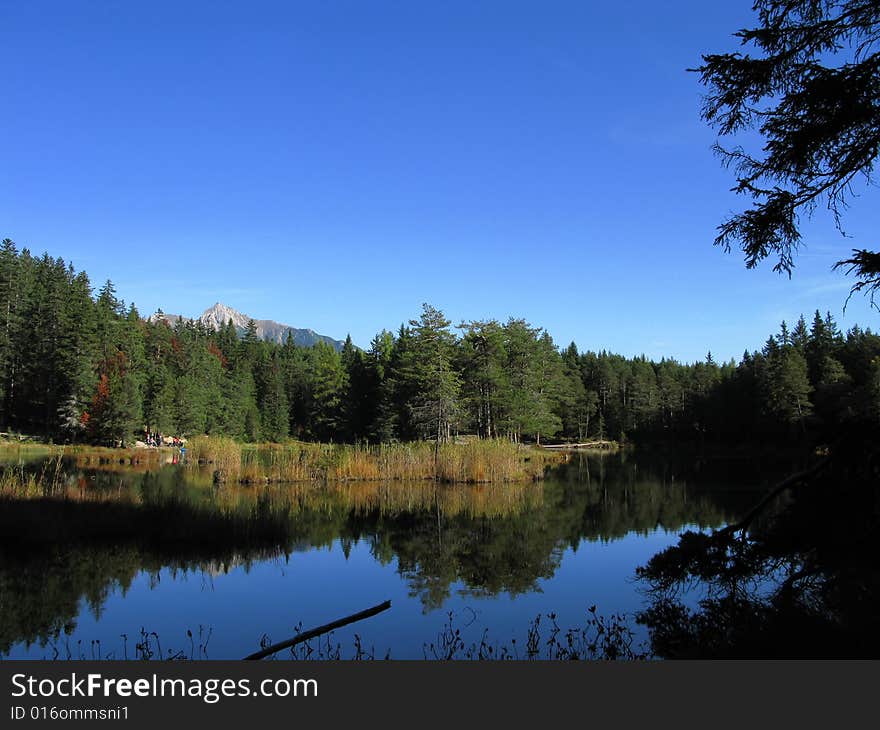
(476, 558)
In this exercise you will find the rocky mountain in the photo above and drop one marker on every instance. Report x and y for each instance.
(217, 316)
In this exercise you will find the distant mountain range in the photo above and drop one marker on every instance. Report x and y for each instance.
(217, 316)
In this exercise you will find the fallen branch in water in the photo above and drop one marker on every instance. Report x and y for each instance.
(312, 633)
(792, 481)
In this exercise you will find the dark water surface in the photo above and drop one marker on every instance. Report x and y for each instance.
(492, 556)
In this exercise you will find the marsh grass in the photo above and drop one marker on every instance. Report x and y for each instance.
(598, 638)
(95, 458)
(471, 462)
(52, 506)
(220, 451)
(604, 638)
(49, 480)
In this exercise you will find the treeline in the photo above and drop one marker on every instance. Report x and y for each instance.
(80, 367)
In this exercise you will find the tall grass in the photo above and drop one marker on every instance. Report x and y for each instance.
(488, 461)
(50, 480)
(473, 462)
(220, 451)
(54, 507)
(54, 485)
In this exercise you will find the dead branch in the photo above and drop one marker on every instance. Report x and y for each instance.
(312, 633)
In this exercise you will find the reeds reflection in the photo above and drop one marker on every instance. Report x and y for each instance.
(74, 530)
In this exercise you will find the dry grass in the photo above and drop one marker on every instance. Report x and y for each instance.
(54, 505)
(223, 453)
(50, 480)
(472, 462)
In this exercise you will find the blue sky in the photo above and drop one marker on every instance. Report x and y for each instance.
(334, 164)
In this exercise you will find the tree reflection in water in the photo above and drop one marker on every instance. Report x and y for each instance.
(101, 528)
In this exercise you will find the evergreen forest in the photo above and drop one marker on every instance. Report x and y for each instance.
(82, 366)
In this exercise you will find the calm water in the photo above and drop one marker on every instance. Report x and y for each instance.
(482, 557)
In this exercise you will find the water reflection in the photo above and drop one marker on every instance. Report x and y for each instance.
(106, 523)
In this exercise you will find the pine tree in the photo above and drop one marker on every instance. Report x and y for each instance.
(437, 385)
(809, 88)
(12, 280)
(379, 369)
(482, 364)
(534, 375)
(328, 384)
(272, 398)
(788, 387)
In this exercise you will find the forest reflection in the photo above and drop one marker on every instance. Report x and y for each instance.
(100, 527)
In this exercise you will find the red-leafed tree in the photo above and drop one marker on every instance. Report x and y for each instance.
(115, 409)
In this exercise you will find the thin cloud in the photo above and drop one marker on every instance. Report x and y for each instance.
(828, 287)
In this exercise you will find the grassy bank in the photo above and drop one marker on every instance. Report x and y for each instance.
(54, 506)
(87, 456)
(471, 462)
(51, 507)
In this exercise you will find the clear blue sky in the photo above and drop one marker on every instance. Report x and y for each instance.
(334, 164)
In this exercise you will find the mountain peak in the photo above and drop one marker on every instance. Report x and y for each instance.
(218, 315)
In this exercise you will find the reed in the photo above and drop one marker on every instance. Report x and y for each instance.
(124, 460)
(470, 462)
(484, 461)
(49, 481)
(43, 508)
(221, 452)
(18, 485)
(356, 463)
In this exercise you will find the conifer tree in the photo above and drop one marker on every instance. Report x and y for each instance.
(436, 383)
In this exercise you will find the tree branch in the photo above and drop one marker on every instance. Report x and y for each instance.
(312, 633)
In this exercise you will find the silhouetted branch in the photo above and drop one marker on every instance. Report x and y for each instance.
(312, 633)
(787, 483)
(866, 265)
